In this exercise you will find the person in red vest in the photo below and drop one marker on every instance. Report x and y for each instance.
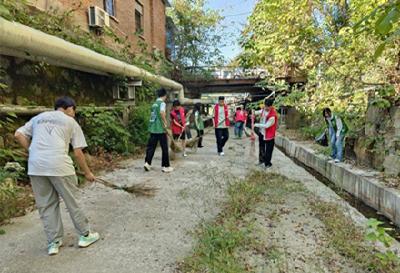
(268, 125)
(221, 124)
(178, 123)
(240, 119)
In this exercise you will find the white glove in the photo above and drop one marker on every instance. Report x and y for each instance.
(257, 124)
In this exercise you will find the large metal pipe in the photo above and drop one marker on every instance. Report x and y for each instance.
(22, 41)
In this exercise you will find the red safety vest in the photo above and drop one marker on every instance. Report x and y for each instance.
(216, 113)
(240, 116)
(175, 128)
(271, 131)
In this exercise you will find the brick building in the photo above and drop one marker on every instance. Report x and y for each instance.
(138, 20)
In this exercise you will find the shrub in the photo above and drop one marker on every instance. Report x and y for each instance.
(138, 125)
(104, 131)
(8, 195)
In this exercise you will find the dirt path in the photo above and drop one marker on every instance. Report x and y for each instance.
(148, 235)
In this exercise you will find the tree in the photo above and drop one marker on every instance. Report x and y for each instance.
(323, 38)
(196, 40)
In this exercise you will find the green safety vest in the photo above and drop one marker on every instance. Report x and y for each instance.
(155, 125)
(345, 128)
(199, 121)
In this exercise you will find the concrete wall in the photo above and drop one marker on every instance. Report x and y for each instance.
(359, 183)
(123, 23)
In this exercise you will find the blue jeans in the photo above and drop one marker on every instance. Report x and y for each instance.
(239, 128)
(336, 144)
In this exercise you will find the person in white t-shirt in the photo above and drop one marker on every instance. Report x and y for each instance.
(47, 137)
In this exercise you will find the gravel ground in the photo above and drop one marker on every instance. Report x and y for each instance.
(148, 235)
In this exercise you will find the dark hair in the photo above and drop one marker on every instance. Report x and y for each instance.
(239, 108)
(221, 98)
(176, 103)
(161, 92)
(197, 107)
(268, 102)
(64, 102)
(326, 110)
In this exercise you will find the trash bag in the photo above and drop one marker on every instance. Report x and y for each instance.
(322, 139)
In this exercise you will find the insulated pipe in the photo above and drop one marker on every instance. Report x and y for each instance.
(34, 110)
(22, 41)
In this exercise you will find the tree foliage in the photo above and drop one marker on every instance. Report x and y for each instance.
(196, 40)
(335, 42)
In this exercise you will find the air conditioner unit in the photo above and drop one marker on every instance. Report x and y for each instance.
(126, 91)
(98, 17)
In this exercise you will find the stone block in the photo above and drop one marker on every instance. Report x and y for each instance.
(336, 175)
(378, 155)
(392, 165)
(361, 149)
(370, 193)
(349, 182)
(320, 165)
(388, 204)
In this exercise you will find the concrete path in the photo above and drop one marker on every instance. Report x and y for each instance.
(138, 234)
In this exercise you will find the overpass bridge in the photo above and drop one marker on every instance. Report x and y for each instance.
(236, 81)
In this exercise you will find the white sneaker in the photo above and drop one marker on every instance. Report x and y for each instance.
(221, 153)
(167, 169)
(85, 241)
(147, 167)
(53, 248)
(337, 160)
(184, 154)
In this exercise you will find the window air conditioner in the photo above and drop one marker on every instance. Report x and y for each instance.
(98, 17)
(126, 91)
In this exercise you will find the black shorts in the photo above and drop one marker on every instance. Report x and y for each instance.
(182, 136)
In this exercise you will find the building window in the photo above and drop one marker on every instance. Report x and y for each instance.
(109, 7)
(138, 17)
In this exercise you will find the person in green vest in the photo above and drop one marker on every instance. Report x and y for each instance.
(337, 131)
(158, 133)
(199, 124)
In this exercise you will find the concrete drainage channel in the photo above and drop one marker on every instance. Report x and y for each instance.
(357, 187)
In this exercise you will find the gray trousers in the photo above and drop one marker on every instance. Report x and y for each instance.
(47, 191)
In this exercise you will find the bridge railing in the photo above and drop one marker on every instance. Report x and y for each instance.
(228, 72)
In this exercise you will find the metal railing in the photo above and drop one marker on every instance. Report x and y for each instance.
(227, 72)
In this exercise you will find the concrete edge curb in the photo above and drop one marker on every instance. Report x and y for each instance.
(385, 200)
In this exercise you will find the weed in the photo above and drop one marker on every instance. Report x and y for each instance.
(348, 239)
(11, 195)
(378, 233)
(326, 151)
(274, 254)
(221, 241)
(184, 193)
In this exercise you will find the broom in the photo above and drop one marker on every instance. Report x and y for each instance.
(175, 147)
(246, 132)
(138, 189)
